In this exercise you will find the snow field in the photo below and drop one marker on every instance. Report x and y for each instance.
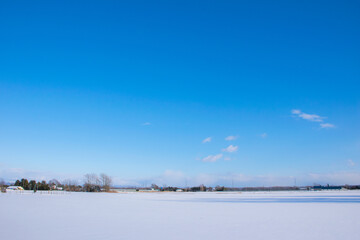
(260, 215)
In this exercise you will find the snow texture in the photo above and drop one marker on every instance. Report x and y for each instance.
(148, 216)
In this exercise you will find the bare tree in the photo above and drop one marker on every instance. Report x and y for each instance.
(92, 183)
(54, 184)
(2, 185)
(70, 185)
(106, 182)
(154, 186)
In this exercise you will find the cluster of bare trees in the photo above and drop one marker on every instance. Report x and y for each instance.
(92, 183)
(71, 185)
(95, 183)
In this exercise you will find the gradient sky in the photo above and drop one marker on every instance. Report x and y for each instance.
(148, 91)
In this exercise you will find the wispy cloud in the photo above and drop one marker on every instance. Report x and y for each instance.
(231, 138)
(295, 111)
(146, 124)
(171, 178)
(12, 174)
(238, 179)
(231, 149)
(206, 140)
(312, 118)
(327, 125)
(263, 135)
(167, 178)
(179, 178)
(306, 116)
(335, 178)
(350, 163)
(212, 158)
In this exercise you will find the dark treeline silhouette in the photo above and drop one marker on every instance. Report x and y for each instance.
(352, 187)
(3, 185)
(32, 184)
(40, 185)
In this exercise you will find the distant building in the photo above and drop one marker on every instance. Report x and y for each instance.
(14, 188)
(54, 187)
(148, 190)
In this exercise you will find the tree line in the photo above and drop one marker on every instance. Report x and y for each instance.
(92, 183)
(32, 184)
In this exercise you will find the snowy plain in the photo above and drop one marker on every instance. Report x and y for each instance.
(326, 215)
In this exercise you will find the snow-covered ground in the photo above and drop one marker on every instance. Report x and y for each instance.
(102, 216)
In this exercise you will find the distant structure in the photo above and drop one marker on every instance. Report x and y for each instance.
(319, 188)
(54, 187)
(14, 188)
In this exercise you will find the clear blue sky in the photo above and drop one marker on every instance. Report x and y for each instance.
(133, 88)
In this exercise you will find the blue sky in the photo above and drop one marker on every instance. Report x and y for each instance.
(133, 89)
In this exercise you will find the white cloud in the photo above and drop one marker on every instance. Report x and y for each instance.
(350, 163)
(327, 125)
(312, 118)
(231, 149)
(206, 140)
(295, 111)
(263, 135)
(212, 158)
(231, 138)
(146, 124)
(306, 116)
